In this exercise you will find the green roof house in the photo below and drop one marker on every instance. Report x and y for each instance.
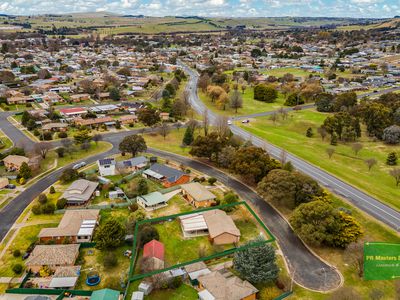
(152, 201)
(105, 294)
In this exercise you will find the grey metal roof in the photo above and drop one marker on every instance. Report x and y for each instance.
(169, 173)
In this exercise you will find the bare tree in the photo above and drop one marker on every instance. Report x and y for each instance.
(206, 121)
(243, 87)
(395, 173)
(283, 112)
(96, 138)
(322, 132)
(274, 117)
(283, 157)
(221, 126)
(42, 149)
(236, 100)
(330, 152)
(356, 147)
(164, 130)
(354, 257)
(370, 162)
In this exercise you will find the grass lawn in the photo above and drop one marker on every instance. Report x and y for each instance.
(296, 72)
(184, 292)
(24, 238)
(290, 135)
(172, 142)
(5, 142)
(250, 106)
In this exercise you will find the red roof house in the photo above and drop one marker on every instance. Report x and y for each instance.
(154, 249)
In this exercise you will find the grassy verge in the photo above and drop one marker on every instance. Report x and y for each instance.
(171, 143)
(290, 135)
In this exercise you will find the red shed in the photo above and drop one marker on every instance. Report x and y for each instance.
(155, 249)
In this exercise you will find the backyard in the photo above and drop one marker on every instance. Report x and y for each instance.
(290, 134)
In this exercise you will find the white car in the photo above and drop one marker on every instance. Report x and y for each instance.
(78, 166)
(229, 122)
(246, 121)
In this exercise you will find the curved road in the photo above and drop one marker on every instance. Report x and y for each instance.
(358, 198)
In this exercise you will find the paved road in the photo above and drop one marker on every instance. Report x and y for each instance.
(363, 201)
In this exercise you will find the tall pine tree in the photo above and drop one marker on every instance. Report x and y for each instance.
(188, 137)
(391, 159)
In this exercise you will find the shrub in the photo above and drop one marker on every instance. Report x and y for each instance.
(42, 199)
(52, 190)
(62, 135)
(17, 253)
(47, 136)
(110, 260)
(36, 132)
(48, 208)
(17, 269)
(147, 234)
(60, 151)
(61, 203)
(212, 180)
(22, 181)
(134, 207)
(37, 209)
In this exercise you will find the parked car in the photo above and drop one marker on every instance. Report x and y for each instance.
(229, 122)
(26, 255)
(10, 186)
(78, 166)
(246, 121)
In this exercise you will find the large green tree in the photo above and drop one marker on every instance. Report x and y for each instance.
(256, 264)
(109, 235)
(265, 93)
(133, 144)
(208, 146)
(149, 116)
(25, 171)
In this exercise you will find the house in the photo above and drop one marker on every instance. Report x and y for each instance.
(132, 165)
(106, 166)
(95, 122)
(65, 277)
(164, 116)
(222, 230)
(80, 192)
(55, 127)
(105, 294)
(53, 256)
(76, 226)
(223, 285)
(73, 112)
(80, 97)
(193, 225)
(196, 270)
(197, 195)
(152, 201)
(3, 182)
(128, 119)
(14, 162)
(166, 175)
(154, 252)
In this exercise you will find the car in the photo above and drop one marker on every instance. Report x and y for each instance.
(78, 166)
(375, 91)
(229, 122)
(26, 255)
(10, 186)
(246, 121)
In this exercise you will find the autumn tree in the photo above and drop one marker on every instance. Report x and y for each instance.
(149, 116)
(236, 100)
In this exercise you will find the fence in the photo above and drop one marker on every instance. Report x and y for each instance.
(284, 295)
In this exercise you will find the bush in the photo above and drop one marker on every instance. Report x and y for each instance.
(42, 199)
(110, 260)
(69, 175)
(60, 151)
(61, 203)
(17, 269)
(17, 253)
(52, 190)
(47, 136)
(36, 132)
(22, 181)
(212, 180)
(37, 209)
(147, 234)
(48, 208)
(134, 207)
(62, 135)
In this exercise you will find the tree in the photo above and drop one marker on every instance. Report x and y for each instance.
(226, 156)
(42, 199)
(96, 138)
(236, 100)
(370, 162)
(212, 180)
(61, 203)
(60, 151)
(149, 116)
(110, 234)
(25, 171)
(164, 130)
(322, 132)
(206, 121)
(391, 159)
(42, 149)
(309, 132)
(207, 146)
(82, 136)
(376, 116)
(69, 175)
(357, 147)
(110, 260)
(354, 256)
(330, 152)
(395, 173)
(133, 144)
(188, 137)
(344, 101)
(256, 264)
(43, 74)
(391, 135)
(147, 233)
(253, 163)
(324, 102)
(265, 93)
(114, 94)
(143, 187)
(6, 76)
(17, 268)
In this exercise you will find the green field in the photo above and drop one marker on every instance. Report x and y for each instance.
(250, 106)
(290, 135)
(296, 72)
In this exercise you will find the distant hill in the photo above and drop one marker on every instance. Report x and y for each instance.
(390, 24)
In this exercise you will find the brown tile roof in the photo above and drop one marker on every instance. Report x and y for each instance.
(198, 191)
(218, 222)
(51, 255)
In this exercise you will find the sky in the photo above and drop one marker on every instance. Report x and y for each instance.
(210, 8)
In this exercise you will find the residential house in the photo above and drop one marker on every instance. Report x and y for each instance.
(20, 100)
(3, 182)
(152, 201)
(223, 285)
(193, 225)
(80, 192)
(62, 127)
(14, 162)
(76, 226)
(154, 252)
(53, 256)
(196, 270)
(198, 195)
(80, 97)
(222, 230)
(107, 166)
(132, 165)
(95, 122)
(73, 112)
(167, 176)
(65, 277)
(128, 119)
(164, 116)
